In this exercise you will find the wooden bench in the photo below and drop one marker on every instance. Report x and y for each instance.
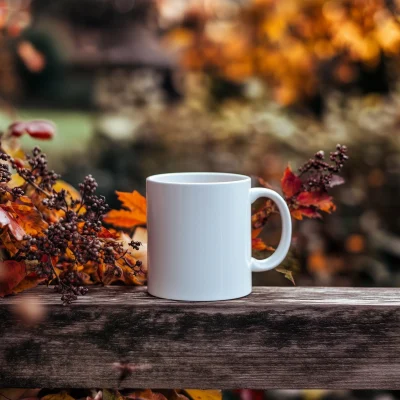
(338, 338)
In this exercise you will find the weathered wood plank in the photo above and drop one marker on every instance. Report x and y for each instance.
(275, 338)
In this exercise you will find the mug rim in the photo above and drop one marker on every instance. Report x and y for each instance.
(236, 178)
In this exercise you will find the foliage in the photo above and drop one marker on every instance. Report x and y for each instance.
(135, 213)
(107, 394)
(52, 233)
(296, 47)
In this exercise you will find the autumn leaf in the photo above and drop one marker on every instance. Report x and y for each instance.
(287, 273)
(111, 395)
(259, 245)
(146, 394)
(172, 394)
(8, 220)
(16, 181)
(8, 243)
(255, 232)
(58, 396)
(135, 214)
(261, 215)
(196, 394)
(308, 212)
(17, 394)
(11, 274)
(317, 199)
(291, 183)
(62, 185)
(27, 283)
(37, 129)
(26, 215)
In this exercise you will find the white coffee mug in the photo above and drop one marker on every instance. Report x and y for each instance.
(199, 235)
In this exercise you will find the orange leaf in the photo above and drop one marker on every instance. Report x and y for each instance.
(123, 218)
(8, 220)
(146, 394)
(108, 234)
(8, 243)
(27, 283)
(308, 212)
(258, 244)
(135, 215)
(11, 274)
(317, 199)
(132, 201)
(255, 232)
(26, 215)
(291, 183)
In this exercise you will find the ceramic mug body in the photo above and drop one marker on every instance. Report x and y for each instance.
(199, 235)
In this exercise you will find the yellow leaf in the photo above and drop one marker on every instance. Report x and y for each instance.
(27, 283)
(12, 394)
(196, 394)
(58, 396)
(59, 185)
(16, 181)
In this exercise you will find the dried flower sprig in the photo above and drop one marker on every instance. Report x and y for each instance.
(60, 235)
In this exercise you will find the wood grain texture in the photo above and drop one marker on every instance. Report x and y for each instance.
(275, 338)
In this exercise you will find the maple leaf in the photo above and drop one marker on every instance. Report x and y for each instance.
(11, 274)
(291, 183)
(135, 214)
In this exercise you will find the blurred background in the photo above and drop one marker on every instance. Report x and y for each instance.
(139, 87)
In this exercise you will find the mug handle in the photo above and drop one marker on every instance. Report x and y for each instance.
(280, 253)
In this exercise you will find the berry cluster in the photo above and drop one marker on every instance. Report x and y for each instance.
(38, 173)
(321, 175)
(75, 237)
(5, 174)
(79, 231)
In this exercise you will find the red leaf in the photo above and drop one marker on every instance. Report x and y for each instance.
(317, 199)
(17, 129)
(43, 130)
(308, 212)
(11, 274)
(258, 244)
(291, 183)
(38, 129)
